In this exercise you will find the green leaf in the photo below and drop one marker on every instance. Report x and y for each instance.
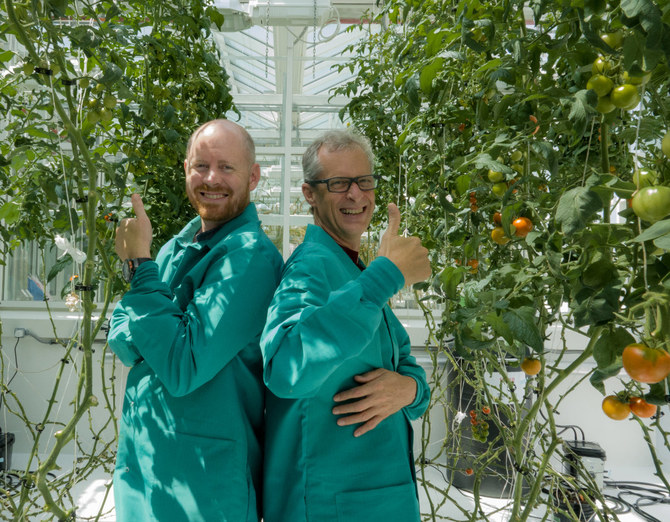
(663, 242)
(594, 308)
(523, 325)
(580, 106)
(500, 327)
(428, 74)
(450, 278)
(657, 394)
(215, 16)
(6, 56)
(59, 266)
(575, 208)
(608, 348)
(112, 74)
(10, 212)
(462, 183)
(658, 229)
(600, 374)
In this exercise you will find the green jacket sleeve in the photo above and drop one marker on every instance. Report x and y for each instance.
(119, 337)
(313, 328)
(188, 348)
(408, 366)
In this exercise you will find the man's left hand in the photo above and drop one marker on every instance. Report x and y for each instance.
(381, 394)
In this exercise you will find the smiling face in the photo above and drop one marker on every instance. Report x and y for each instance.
(219, 173)
(345, 216)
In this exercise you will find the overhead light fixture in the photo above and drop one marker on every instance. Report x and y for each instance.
(235, 18)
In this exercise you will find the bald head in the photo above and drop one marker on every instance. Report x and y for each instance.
(229, 125)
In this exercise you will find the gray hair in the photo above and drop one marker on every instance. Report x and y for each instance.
(249, 142)
(333, 141)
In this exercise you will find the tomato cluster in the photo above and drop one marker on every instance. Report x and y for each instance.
(480, 428)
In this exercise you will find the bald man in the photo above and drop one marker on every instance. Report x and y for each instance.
(190, 438)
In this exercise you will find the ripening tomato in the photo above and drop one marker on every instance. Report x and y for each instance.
(498, 236)
(497, 218)
(645, 364)
(615, 408)
(652, 203)
(469, 471)
(531, 366)
(642, 408)
(522, 226)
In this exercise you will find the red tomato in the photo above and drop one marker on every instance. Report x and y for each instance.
(644, 364)
(642, 408)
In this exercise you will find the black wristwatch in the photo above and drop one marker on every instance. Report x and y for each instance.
(130, 265)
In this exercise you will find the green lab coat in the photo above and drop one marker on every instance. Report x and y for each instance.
(190, 438)
(328, 322)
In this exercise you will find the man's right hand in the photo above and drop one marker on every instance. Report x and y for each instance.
(134, 235)
(406, 253)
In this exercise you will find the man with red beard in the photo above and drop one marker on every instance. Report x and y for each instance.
(190, 438)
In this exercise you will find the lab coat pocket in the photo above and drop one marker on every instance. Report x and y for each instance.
(211, 474)
(394, 503)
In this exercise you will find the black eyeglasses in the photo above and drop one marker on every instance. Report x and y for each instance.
(343, 184)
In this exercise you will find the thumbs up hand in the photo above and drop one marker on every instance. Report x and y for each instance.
(134, 235)
(406, 253)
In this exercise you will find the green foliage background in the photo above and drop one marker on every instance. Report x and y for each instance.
(98, 100)
(450, 90)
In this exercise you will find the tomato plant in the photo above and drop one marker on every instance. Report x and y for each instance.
(615, 408)
(652, 203)
(645, 364)
(642, 408)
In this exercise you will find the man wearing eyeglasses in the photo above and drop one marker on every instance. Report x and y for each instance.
(343, 386)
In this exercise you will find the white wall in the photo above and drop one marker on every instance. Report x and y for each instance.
(38, 366)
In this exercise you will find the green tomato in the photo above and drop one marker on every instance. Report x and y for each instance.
(84, 82)
(652, 203)
(106, 114)
(28, 69)
(636, 80)
(625, 96)
(601, 84)
(499, 189)
(516, 155)
(614, 40)
(109, 101)
(495, 176)
(601, 65)
(665, 144)
(605, 105)
(644, 177)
